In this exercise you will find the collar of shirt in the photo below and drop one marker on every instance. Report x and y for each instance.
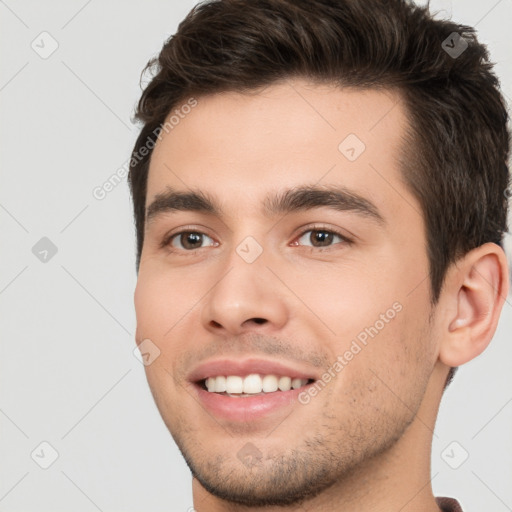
(448, 505)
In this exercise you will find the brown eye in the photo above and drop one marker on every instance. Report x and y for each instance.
(320, 238)
(188, 240)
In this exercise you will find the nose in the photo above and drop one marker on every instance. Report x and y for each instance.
(247, 296)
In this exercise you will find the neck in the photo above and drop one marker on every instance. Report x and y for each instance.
(398, 479)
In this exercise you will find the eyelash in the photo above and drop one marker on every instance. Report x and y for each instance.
(166, 242)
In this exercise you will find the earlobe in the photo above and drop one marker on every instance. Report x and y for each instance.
(477, 287)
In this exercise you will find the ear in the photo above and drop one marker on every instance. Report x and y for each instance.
(475, 290)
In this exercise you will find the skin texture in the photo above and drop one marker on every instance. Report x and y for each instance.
(363, 442)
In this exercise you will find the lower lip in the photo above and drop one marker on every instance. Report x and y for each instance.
(250, 408)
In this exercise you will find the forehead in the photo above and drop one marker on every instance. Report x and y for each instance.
(239, 146)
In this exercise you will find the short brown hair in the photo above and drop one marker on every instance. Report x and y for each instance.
(455, 161)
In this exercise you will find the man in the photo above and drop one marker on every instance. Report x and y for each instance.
(319, 191)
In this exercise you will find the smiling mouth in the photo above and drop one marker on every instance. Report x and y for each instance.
(251, 385)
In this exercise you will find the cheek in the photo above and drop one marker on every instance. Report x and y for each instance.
(385, 306)
(376, 324)
(156, 313)
(150, 299)
(394, 366)
(161, 303)
(165, 305)
(378, 378)
(351, 302)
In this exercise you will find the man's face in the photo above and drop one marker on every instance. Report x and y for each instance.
(285, 292)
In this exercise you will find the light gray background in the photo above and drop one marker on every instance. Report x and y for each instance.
(68, 375)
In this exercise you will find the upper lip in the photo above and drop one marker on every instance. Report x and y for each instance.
(244, 367)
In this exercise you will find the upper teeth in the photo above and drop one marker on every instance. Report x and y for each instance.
(252, 384)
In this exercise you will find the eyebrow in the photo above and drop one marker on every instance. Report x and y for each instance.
(295, 199)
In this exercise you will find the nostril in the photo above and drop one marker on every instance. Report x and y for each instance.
(259, 320)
